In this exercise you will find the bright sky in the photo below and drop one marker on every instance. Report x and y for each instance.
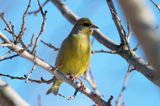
(109, 70)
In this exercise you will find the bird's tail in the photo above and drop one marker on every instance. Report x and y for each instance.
(55, 87)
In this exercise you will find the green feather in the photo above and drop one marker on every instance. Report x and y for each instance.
(74, 54)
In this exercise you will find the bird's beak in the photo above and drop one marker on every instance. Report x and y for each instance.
(93, 27)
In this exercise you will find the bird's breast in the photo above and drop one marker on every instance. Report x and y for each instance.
(76, 58)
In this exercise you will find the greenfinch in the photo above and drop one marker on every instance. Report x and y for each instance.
(74, 53)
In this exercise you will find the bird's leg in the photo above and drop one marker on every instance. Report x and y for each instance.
(82, 86)
(70, 76)
(73, 78)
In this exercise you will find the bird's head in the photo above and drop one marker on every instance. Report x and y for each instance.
(84, 25)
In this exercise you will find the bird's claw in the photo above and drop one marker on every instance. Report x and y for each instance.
(82, 86)
(73, 78)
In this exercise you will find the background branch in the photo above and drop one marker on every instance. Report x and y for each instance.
(144, 28)
(8, 97)
(156, 5)
(119, 100)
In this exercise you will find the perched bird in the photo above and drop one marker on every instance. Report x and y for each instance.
(75, 52)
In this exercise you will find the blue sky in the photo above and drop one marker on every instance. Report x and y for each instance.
(109, 70)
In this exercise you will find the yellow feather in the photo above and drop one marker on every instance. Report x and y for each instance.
(74, 55)
(75, 52)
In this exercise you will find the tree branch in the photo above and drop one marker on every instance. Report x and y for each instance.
(117, 22)
(42, 27)
(156, 5)
(39, 62)
(23, 27)
(38, 10)
(119, 100)
(8, 97)
(144, 28)
(41, 81)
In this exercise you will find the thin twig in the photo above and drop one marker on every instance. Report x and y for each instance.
(42, 27)
(39, 100)
(10, 57)
(41, 81)
(9, 27)
(136, 47)
(93, 40)
(38, 10)
(117, 22)
(156, 5)
(124, 43)
(104, 51)
(91, 82)
(5, 44)
(119, 100)
(129, 32)
(110, 100)
(31, 41)
(29, 74)
(88, 76)
(6, 54)
(5, 21)
(91, 75)
(50, 45)
(23, 26)
(70, 97)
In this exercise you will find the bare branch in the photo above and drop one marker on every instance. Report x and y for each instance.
(23, 26)
(124, 43)
(156, 5)
(129, 32)
(134, 49)
(39, 100)
(50, 46)
(9, 27)
(42, 27)
(41, 81)
(6, 54)
(88, 76)
(69, 98)
(31, 41)
(10, 57)
(144, 28)
(5, 21)
(38, 10)
(110, 100)
(119, 100)
(29, 74)
(117, 22)
(104, 51)
(8, 97)
(5, 44)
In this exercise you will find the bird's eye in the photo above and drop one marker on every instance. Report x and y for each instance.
(86, 24)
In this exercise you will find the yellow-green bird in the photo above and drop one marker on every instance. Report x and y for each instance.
(75, 52)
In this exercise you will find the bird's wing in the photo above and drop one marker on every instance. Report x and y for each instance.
(61, 53)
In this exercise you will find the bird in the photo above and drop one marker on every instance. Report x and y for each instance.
(75, 52)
